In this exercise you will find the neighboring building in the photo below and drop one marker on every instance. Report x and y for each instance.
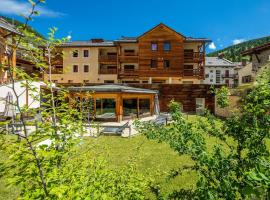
(7, 47)
(259, 57)
(160, 55)
(244, 73)
(219, 71)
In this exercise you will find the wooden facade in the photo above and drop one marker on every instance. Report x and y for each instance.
(158, 36)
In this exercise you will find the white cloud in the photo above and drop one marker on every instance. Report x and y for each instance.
(238, 41)
(212, 46)
(15, 7)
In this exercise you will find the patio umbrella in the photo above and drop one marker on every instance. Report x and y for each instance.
(156, 106)
(9, 107)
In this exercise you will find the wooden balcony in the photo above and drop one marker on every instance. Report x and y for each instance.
(128, 73)
(194, 57)
(107, 58)
(107, 71)
(129, 58)
(192, 73)
(57, 71)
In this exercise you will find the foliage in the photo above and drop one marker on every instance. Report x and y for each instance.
(223, 169)
(222, 96)
(233, 52)
(56, 170)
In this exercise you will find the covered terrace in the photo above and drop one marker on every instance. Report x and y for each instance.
(114, 102)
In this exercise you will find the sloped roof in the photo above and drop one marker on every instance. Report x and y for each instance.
(7, 26)
(161, 24)
(219, 62)
(256, 49)
(88, 44)
(127, 39)
(112, 88)
(191, 39)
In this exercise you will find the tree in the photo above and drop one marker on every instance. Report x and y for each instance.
(230, 169)
(59, 170)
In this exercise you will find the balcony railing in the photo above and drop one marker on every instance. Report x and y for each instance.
(192, 72)
(108, 58)
(129, 57)
(228, 75)
(107, 71)
(128, 73)
(193, 57)
(57, 71)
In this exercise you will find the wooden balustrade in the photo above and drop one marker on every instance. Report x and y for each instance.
(191, 72)
(108, 58)
(107, 71)
(190, 57)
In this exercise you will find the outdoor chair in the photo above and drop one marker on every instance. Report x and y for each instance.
(161, 120)
(114, 130)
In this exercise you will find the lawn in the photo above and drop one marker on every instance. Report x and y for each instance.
(152, 158)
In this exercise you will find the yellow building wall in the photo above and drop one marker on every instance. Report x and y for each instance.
(79, 77)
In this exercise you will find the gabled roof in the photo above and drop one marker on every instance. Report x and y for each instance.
(218, 62)
(159, 25)
(256, 49)
(8, 27)
(112, 88)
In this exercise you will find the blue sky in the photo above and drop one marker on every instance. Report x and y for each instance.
(223, 21)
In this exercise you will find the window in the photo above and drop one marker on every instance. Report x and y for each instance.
(75, 68)
(206, 75)
(70, 81)
(218, 76)
(86, 81)
(129, 51)
(154, 46)
(85, 53)
(246, 79)
(129, 67)
(108, 81)
(55, 81)
(144, 81)
(211, 80)
(211, 71)
(75, 53)
(167, 46)
(153, 63)
(86, 68)
(166, 64)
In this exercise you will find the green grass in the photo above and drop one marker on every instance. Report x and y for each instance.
(153, 159)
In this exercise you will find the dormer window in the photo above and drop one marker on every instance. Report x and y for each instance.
(154, 46)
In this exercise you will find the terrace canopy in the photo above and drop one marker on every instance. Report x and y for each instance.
(114, 102)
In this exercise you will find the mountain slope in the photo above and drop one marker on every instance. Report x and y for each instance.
(233, 52)
(18, 23)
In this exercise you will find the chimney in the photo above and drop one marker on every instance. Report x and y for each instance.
(97, 40)
(221, 55)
